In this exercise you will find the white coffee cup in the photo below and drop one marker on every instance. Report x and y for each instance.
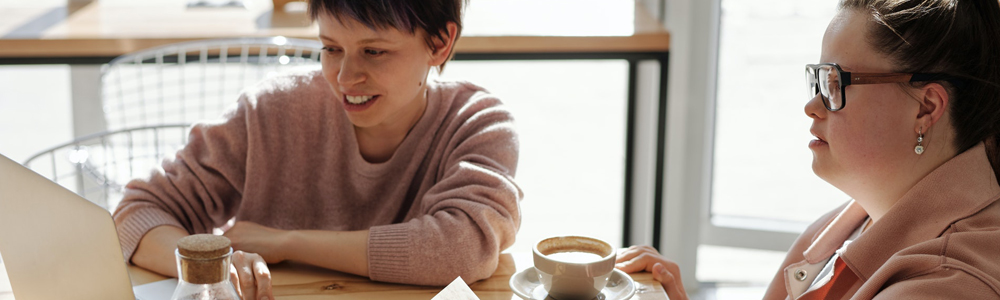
(573, 267)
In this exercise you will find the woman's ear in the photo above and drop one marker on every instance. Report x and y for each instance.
(934, 102)
(443, 46)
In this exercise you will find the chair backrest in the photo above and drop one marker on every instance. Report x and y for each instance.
(98, 166)
(150, 99)
(192, 81)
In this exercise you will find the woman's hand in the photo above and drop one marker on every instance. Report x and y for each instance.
(646, 258)
(250, 276)
(264, 241)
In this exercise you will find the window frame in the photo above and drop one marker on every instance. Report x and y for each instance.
(686, 211)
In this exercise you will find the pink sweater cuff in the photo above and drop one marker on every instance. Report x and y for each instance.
(134, 223)
(389, 248)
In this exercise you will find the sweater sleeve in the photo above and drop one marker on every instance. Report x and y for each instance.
(198, 190)
(469, 215)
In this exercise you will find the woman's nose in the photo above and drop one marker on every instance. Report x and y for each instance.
(351, 72)
(814, 108)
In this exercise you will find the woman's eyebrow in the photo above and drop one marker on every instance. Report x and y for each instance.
(361, 42)
(374, 40)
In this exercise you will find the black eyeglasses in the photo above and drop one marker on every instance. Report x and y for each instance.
(829, 81)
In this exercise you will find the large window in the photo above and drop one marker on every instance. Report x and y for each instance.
(35, 111)
(570, 117)
(762, 178)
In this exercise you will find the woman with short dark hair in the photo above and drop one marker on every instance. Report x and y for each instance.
(365, 167)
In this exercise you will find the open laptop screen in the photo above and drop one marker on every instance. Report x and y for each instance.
(55, 244)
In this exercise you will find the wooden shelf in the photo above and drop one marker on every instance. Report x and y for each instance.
(111, 28)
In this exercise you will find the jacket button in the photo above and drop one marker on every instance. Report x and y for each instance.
(800, 275)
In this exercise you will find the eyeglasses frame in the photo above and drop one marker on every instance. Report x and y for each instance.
(854, 78)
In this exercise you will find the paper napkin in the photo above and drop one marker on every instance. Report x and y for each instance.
(456, 290)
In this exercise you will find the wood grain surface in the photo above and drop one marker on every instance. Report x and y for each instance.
(298, 281)
(114, 27)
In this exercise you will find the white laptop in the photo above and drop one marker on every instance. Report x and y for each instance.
(56, 244)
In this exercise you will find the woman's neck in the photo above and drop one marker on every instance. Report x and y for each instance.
(877, 198)
(378, 143)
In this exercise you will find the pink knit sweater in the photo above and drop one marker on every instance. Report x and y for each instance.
(443, 206)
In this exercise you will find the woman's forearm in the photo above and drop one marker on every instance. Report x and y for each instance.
(156, 250)
(345, 251)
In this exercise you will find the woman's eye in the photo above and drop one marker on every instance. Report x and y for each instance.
(330, 49)
(374, 52)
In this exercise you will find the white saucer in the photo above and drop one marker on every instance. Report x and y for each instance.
(525, 284)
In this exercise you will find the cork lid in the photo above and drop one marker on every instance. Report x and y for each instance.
(203, 246)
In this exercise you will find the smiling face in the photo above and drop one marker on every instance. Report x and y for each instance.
(861, 148)
(379, 75)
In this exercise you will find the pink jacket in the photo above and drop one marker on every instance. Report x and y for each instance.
(940, 241)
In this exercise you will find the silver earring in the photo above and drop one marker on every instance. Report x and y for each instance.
(920, 140)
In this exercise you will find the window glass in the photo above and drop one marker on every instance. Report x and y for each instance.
(762, 165)
(570, 117)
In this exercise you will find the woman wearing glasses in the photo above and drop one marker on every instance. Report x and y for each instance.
(906, 114)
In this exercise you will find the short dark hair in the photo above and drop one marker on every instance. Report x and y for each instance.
(406, 15)
(954, 37)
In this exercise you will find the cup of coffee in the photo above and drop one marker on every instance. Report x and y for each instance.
(573, 267)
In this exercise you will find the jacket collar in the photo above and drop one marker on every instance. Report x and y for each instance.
(833, 236)
(955, 190)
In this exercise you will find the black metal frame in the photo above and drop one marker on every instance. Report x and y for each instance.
(633, 59)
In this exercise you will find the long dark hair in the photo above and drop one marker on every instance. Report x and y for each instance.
(406, 15)
(960, 38)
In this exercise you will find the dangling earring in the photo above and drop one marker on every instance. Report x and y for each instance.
(920, 140)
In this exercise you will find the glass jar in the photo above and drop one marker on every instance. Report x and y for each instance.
(203, 268)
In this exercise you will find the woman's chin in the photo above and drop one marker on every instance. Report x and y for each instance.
(819, 168)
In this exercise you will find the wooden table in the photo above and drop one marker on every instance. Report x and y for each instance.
(88, 33)
(296, 281)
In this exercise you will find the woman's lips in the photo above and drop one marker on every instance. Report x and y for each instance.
(356, 107)
(818, 142)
